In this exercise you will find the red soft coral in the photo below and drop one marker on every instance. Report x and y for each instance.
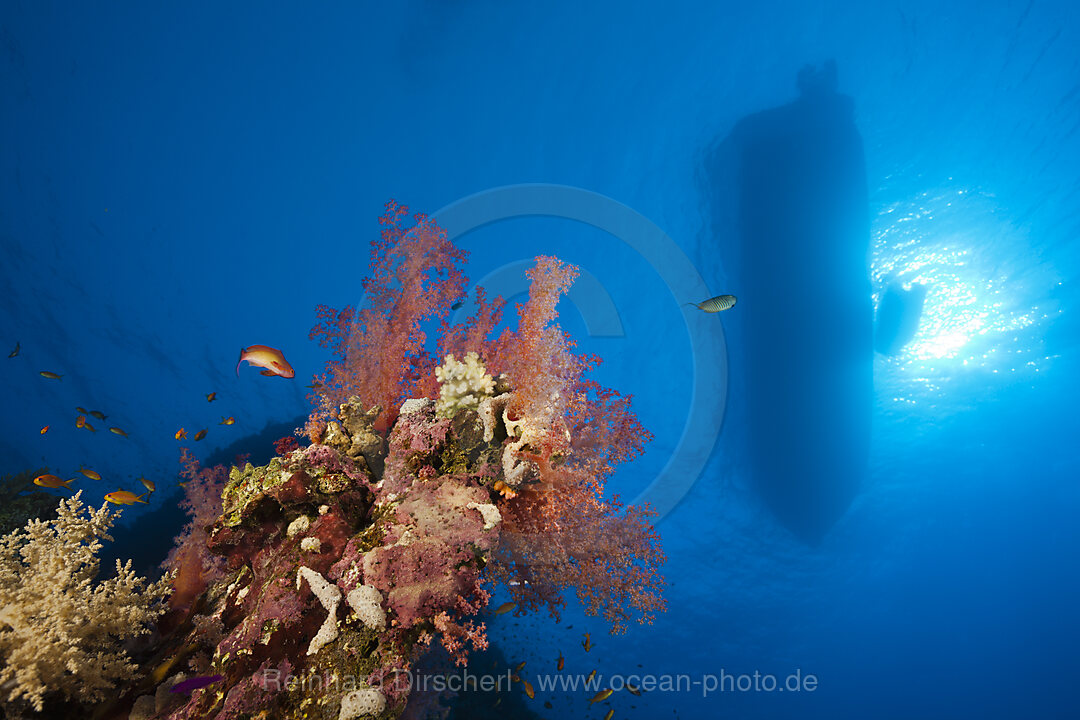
(536, 357)
(378, 351)
(557, 534)
(561, 533)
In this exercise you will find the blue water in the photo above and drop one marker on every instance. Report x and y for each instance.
(178, 181)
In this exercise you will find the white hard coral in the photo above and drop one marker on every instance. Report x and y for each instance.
(59, 630)
(464, 384)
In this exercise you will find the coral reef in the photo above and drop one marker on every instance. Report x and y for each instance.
(60, 631)
(311, 586)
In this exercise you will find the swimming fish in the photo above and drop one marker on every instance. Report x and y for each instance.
(99, 415)
(560, 661)
(265, 357)
(181, 434)
(14, 352)
(587, 643)
(50, 375)
(82, 410)
(44, 429)
(210, 396)
(125, 497)
(610, 714)
(528, 689)
(633, 689)
(118, 431)
(89, 427)
(148, 484)
(457, 305)
(191, 684)
(227, 421)
(600, 696)
(591, 676)
(505, 608)
(520, 665)
(716, 304)
(51, 481)
(200, 435)
(89, 473)
(80, 421)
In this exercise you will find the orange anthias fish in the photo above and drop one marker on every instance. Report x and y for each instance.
(227, 421)
(89, 427)
(587, 643)
(51, 481)
(99, 415)
(44, 429)
(600, 696)
(80, 421)
(89, 473)
(210, 396)
(200, 435)
(265, 357)
(528, 689)
(560, 662)
(118, 431)
(181, 434)
(125, 497)
(148, 484)
(505, 608)
(50, 375)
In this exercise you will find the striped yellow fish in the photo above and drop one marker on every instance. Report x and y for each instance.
(716, 304)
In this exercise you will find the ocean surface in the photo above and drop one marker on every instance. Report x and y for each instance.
(178, 181)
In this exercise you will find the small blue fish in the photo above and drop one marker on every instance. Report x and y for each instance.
(191, 684)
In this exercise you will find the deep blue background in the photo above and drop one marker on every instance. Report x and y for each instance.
(178, 180)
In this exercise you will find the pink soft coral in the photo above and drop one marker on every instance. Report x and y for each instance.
(561, 533)
(193, 562)
(378, 351)
(537, 357)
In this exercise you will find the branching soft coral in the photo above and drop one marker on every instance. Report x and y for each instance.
(59, 630)
(537, 357)
(377, 352)
(192, 562)
(567, 538)
(561, 533)
(566, 433)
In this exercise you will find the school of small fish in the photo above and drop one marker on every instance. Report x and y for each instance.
(560, 663)
(270, 359)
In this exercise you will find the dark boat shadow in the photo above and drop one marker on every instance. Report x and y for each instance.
(787, 214)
